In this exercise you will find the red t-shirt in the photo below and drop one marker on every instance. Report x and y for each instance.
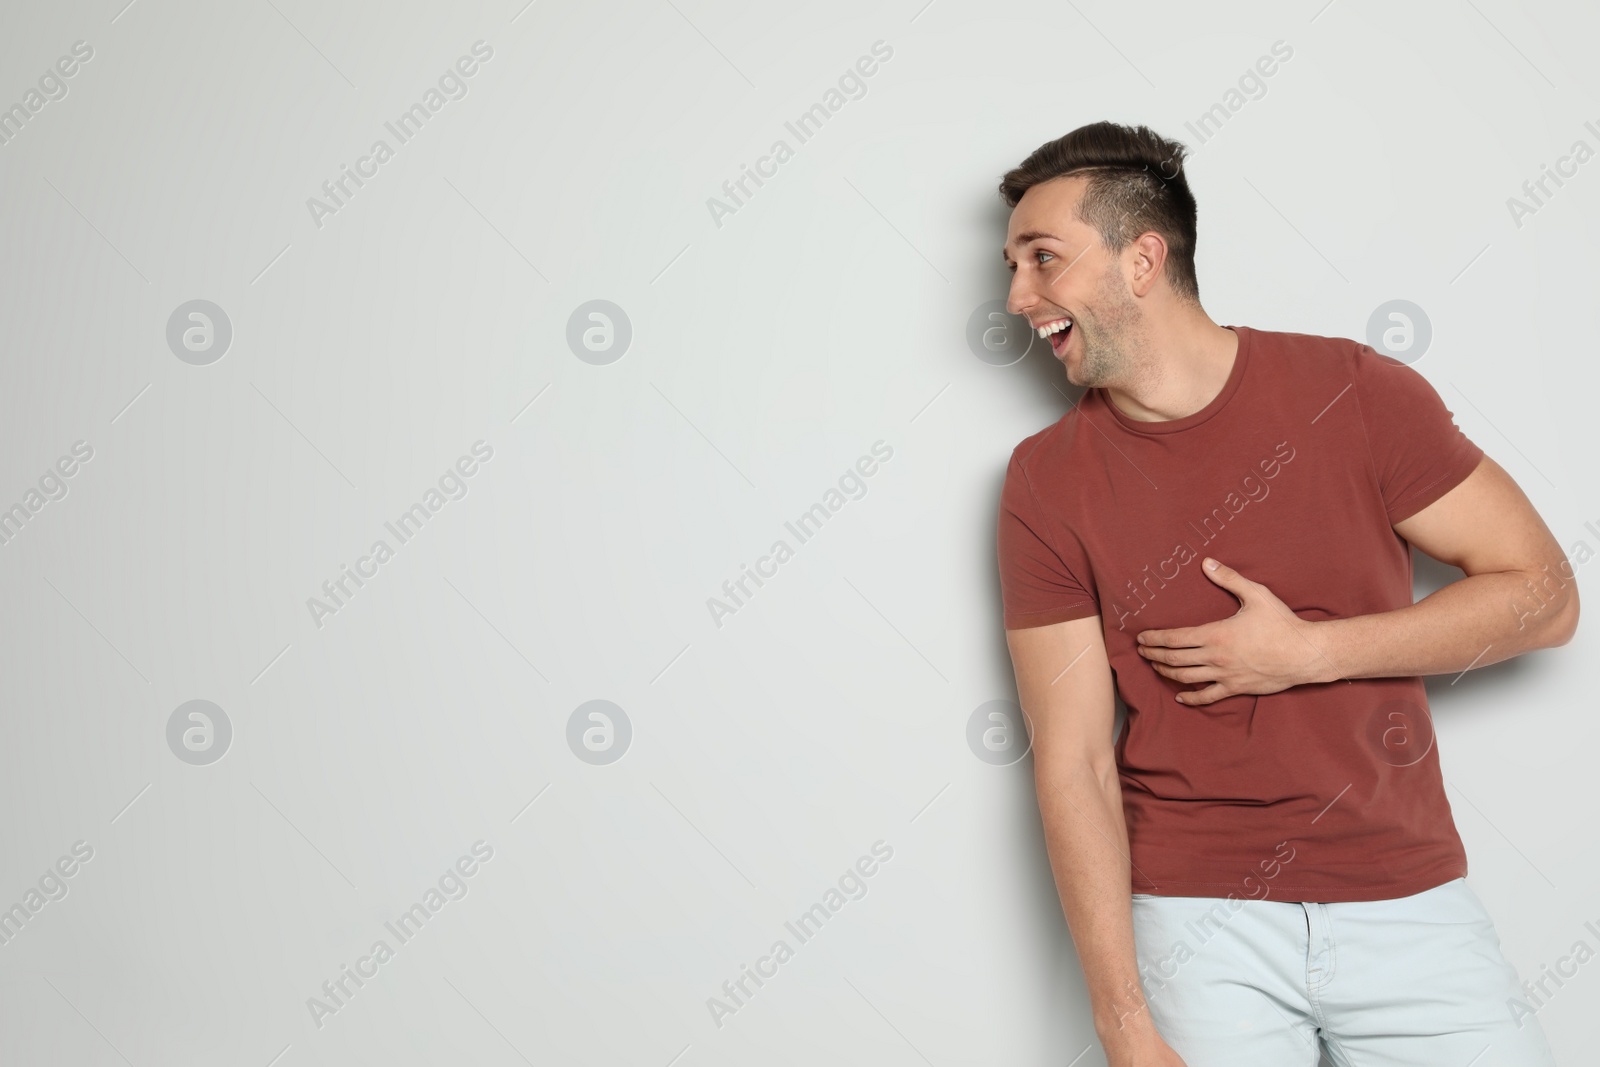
(1294, 475)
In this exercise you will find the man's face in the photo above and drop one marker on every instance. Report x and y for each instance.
(1062, 272)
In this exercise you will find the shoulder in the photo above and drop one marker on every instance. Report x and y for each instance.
(1303, 350)
(1047, 448)
(1315, 366)
(1387, 394)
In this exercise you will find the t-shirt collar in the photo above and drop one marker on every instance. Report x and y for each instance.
(1218, 402)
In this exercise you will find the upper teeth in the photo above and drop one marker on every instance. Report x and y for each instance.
(1054, 327)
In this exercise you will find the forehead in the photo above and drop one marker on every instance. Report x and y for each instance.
(1047, 208)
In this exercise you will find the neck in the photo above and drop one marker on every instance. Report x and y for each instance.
(1175, 368)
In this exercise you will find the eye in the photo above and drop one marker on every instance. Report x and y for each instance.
(1041, 255)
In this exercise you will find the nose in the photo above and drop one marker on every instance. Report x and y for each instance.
(1020, 298)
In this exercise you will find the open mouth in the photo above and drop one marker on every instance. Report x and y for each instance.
(1057, 333)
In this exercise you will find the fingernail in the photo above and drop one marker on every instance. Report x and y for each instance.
(1211, 564)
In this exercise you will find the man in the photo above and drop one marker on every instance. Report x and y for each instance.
(1275, 800)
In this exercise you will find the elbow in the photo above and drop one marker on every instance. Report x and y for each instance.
(1565, 624)
(1560, 623)
(1076, 768)
(1553, 616)
(1061, 763)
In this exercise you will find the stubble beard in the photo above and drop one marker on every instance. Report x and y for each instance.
(1110, 339)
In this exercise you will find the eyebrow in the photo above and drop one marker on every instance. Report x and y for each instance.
(1026, 238)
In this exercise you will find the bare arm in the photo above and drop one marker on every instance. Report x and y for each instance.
(1065, 684)
(1519, 593)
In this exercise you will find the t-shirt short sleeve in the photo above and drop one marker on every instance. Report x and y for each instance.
(1037, 585)
(1418, 451)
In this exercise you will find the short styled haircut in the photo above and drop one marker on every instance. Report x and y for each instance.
(1135, 184)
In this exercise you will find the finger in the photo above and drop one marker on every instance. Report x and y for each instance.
(1207, 695)
(1227, 577)
(1183, 637)
(1177, 657)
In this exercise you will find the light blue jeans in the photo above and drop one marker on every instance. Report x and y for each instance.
(1417, 981)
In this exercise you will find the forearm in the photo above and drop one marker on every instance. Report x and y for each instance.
(1087, 840)
(1478, 620)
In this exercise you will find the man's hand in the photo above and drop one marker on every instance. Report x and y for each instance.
(1262, 648)
(1134, 1040)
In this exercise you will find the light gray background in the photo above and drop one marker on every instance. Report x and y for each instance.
(767, 355)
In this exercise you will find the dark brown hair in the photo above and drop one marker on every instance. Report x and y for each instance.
(1135, 185)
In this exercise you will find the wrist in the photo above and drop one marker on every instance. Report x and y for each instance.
(1322, 664)
(1129, 1037)
(1124, 1024)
